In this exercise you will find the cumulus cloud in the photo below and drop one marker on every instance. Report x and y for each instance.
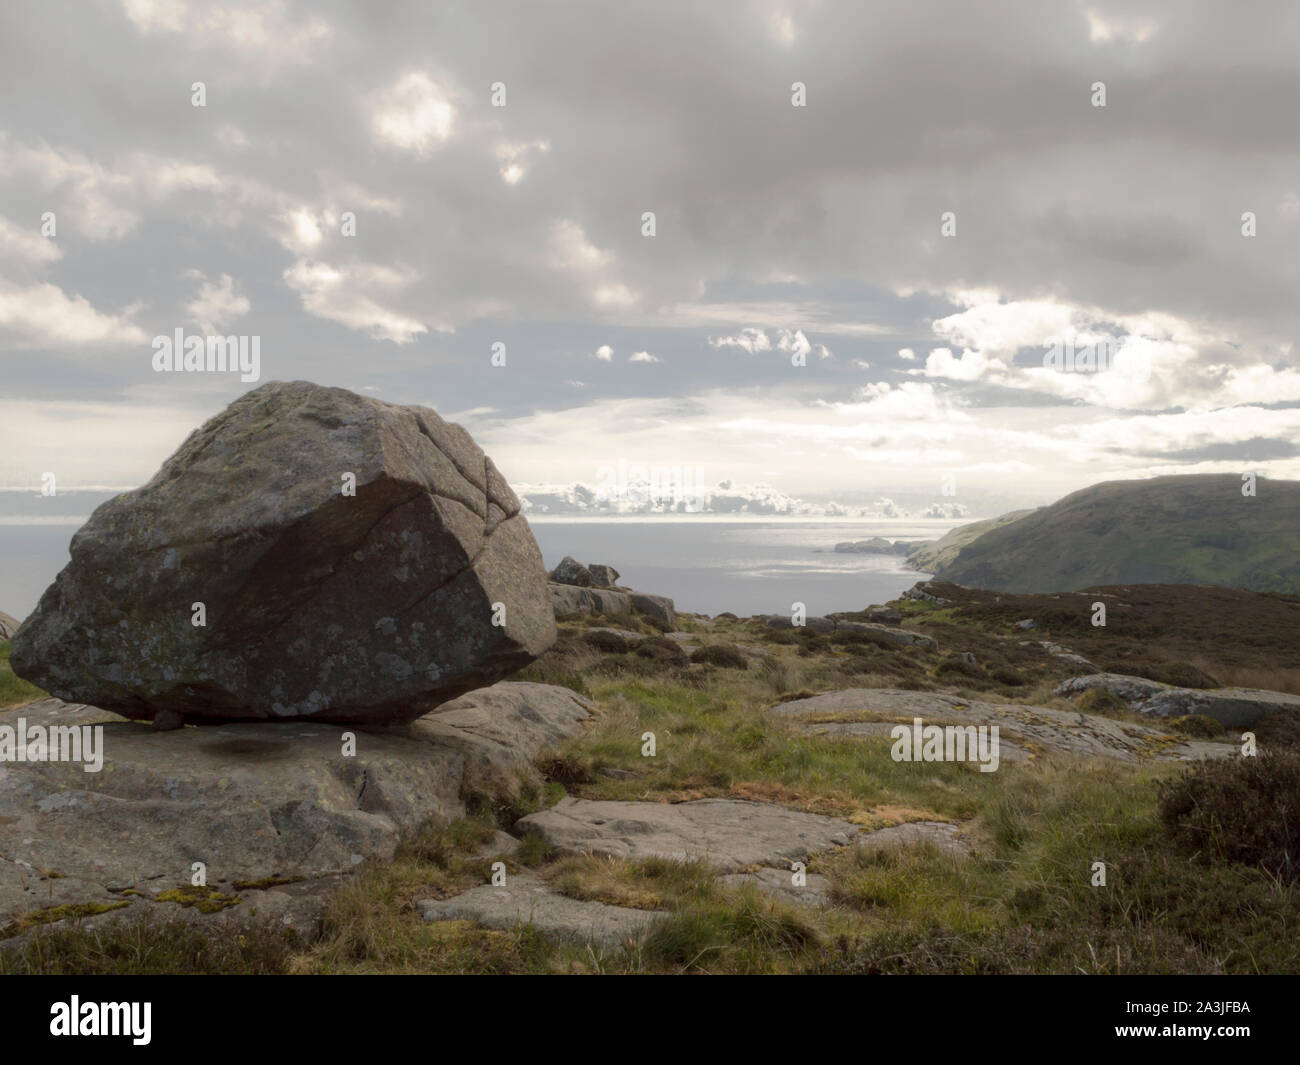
(340, 294)
(216, 303)
(43, 314)
(414, 114)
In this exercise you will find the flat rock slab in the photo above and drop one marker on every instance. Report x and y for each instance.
(1008, 750)
(1020, 725)
(730, 834)
(253, 802)
(527, 900)
(816, 891)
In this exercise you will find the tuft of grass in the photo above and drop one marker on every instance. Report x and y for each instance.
(122, 947)
(13, 689)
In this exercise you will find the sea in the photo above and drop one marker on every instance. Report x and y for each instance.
(706, 564)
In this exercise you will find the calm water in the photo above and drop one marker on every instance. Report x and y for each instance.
(705, 565)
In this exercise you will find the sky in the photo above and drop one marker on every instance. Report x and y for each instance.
(873, 222)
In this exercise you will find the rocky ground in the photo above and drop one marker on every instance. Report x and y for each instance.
(720, 796)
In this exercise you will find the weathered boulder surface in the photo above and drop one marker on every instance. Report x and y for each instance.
(263, 805)
(604, 576)
(1231, 707)
(320, 604)
(729, 834)
(8, 626)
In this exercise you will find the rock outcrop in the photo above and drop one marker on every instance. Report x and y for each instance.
(1231, 707)
(867, 713)
(271, 809)
(827, 625)
(571, 571)
(729, 834)
(573, 597)
(8, 626)
(308, 554)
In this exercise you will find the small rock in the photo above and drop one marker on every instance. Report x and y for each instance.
(571, 571)
(816, 891)
(167, 721)
(656, 607)
(526, 900)
(1028, 623)
(603, 576)
(501, 845)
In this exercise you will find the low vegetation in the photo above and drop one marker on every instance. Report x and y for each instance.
(1199, 860)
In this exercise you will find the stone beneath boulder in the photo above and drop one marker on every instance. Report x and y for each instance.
(816, 890)
(571, 571)
(525, 900)
(603, 576)
(730, 834)
(262, 805)
(1022, 728)
(319, 603)
(8, 626)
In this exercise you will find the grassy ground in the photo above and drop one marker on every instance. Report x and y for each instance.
(14, 690)
(1023, 902)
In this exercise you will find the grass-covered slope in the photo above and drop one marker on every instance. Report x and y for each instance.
(932, 557)
(1167, 530)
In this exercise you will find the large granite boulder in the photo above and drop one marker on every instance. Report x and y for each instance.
(353, 561)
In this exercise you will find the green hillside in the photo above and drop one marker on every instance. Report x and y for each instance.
(935, 554)
(1195, 529)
